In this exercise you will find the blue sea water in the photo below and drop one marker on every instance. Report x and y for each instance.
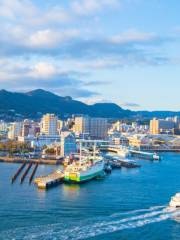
(129, 204)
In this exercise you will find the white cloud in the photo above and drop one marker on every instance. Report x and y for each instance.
(27, 12)
(43, 69)
(132, 35)
(84, 7)
(15, 8)
(50, 38)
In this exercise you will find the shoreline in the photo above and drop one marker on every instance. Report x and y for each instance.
(20, 160)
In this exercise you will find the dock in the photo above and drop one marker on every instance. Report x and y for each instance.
(18, 172)
(28, 160)
(33, 173)
(50, 180)
(145, 155)
(26, 172)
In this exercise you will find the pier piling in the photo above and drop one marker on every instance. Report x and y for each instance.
(33, 173)
(26, 172)
(18, 172)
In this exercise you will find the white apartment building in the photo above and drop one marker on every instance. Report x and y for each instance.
(15, 130)
(49, 124)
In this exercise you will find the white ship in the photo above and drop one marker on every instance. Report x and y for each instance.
(87, 168)
(175, 202)
(123, 152)
(174, 206)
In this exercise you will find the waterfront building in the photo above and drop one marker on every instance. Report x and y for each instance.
(3, 126)
(40, 141)
(97, 128)
(68, 143)
(49, 124)
(158, 126)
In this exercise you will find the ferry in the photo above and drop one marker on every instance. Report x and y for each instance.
(86, 168)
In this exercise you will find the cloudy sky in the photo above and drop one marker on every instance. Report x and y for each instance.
(123, 51)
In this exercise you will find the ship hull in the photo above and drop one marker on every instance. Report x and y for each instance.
(84, 176)
(82, 179)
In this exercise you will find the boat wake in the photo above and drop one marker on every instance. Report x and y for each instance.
(93, 227)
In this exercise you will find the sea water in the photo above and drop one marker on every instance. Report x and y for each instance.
(128, 204)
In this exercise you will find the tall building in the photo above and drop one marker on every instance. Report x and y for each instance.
(158, 126)
(81, 124)
(3, 126)
(60, 126)
(97, 128)
(15, 130)
(30, 128)
(49, 124)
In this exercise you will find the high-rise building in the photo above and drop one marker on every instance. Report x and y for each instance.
(49, 124)
(97, 128)
(81, 124)
(3, 126)
(158, 126)
(60, 126)
(15, 130)
(30, 128)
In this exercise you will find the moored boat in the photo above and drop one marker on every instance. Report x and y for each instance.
(84, 170)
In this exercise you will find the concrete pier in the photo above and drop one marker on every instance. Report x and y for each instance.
(49, 180)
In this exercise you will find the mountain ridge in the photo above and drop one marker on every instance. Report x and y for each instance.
(37, 102)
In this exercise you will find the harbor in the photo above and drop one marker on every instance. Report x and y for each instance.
(111, 199)
(91, 163)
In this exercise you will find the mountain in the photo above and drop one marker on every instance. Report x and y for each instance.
(35, 103)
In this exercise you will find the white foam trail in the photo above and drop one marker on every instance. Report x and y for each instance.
(57, 231)
(134, 218)
(129, 225)
(138, 211)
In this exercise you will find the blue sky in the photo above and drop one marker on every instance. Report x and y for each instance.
(123, 51)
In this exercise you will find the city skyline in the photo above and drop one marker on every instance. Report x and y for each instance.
(125, 51)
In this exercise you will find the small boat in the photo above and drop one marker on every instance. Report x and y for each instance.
(156, 157)
(175, 202)
(107, 168)
(174, 207)
(123, 152)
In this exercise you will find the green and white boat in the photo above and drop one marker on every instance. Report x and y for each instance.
(87, 168)
(84, 170)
